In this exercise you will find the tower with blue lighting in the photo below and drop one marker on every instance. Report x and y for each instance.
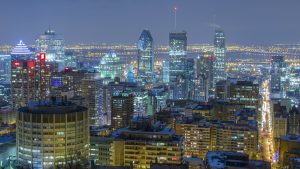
(177, 64)
(145, 57)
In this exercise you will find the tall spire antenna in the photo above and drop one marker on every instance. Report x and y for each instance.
(175, 17)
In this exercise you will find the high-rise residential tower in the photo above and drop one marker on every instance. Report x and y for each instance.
(177, 64)
(52, 134)
(219, 53)
(142, 143)
(23, 76)
(122, 108)
(145, 57)
(243, 92)
(92, 91)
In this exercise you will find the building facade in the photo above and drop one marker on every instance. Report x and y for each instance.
(177, 65)
(92, 91)
(219, 65)
(23, 76)
(111, 66)
(122, 109)
(52, 134)
(140, 145)
(278, 77)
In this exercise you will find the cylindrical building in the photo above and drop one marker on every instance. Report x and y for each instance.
(52, 134)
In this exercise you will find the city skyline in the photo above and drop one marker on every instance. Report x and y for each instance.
(120, 21)
(133, 84)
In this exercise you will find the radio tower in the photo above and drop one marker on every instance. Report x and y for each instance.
(175, 17)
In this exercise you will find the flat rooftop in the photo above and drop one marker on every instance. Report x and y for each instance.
(291, 138)
(225, 159)
(48, 107)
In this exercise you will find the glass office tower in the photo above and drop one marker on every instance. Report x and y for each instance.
(111, 66)
(177, 64)
(145, 58)
(53, 45)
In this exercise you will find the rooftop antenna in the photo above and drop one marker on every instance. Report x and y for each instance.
(175, 17)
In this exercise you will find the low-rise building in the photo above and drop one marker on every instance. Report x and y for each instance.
(289, 149)
(233, 160)
(145, 143)
(202, 135)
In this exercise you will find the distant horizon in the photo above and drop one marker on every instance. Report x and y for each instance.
(157, 45)
(246, 23)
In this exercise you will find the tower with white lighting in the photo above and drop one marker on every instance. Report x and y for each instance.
(219, 54)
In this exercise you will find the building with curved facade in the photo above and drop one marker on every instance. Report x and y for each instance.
(52, 133)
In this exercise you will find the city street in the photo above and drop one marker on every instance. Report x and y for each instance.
(266, 127)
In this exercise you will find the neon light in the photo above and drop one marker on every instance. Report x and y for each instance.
(17, 64)
(42, 56)
(31, 64)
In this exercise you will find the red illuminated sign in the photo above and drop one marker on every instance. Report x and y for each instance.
(68, 69)
(43, 56)
(16, 64)
(31, 64)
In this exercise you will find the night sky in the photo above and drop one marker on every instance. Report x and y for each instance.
(247, 22)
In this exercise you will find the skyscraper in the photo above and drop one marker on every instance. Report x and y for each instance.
(177, 64)
(111, 66)
(5, 68)
(44, 71)
(145, 57)
(165, 76)
(53, 45)
(92, 91)
(23, 76)
(219, 53)
(190, 76)
(121, 109)
(278, 76)
(109, 90)
(204, 77)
